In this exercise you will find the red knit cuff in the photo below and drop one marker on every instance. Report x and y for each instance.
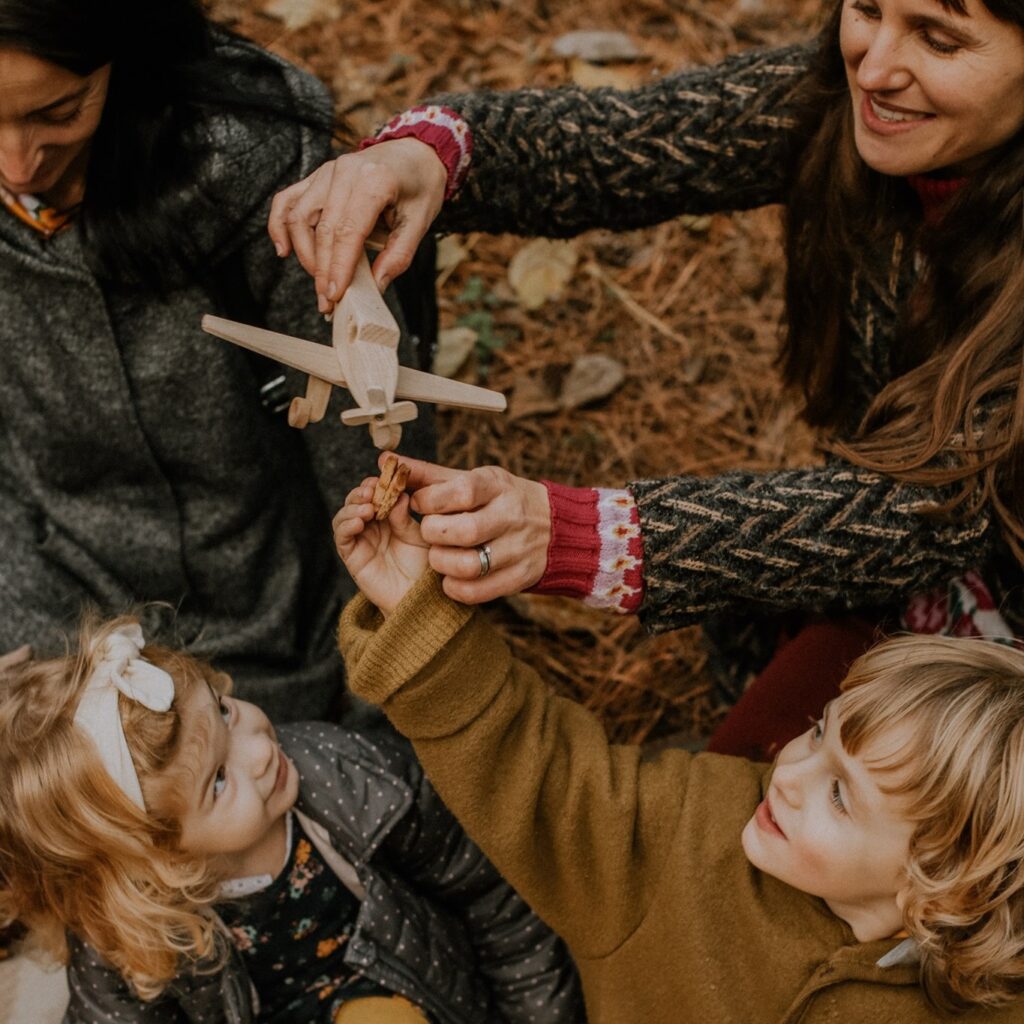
(440, 128)
(595, 553)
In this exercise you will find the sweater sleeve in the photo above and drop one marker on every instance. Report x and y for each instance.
(579, 827)
(826, 537)
(559, 161)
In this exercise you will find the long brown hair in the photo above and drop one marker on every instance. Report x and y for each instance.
(953, 416)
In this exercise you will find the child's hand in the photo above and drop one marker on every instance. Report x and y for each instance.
(384, 558)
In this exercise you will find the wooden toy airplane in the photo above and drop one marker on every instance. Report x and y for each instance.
(363, 358)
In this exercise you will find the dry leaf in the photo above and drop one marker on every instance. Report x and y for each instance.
(599, 76)
(697, 223)
(454, 345)
(597, 46)
(450, 253)
(540, 270)
(591, 377)
(531, 397)
(298, 14)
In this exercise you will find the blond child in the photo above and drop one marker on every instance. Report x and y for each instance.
(193, 864)
(873, 873)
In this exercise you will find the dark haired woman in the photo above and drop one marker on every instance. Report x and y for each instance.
(896, 142)
(140, 459)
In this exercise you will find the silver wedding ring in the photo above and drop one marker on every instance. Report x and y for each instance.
(484, 551)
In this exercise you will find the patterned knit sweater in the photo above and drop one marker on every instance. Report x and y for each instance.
(744, 544)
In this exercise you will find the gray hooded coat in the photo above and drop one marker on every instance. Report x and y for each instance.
(137, 463)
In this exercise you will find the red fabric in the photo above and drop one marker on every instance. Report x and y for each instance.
(793, 689)
(935, 194)
(574, 550)
(441, 129)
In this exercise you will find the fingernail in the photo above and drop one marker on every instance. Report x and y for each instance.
(384, 282)
(322, 304)
(280, 248)
(332, 291)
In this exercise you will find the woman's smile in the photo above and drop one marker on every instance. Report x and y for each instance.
(932, 87)
(887, 118)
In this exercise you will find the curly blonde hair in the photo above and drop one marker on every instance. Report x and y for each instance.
(76, 854)
(961, 775)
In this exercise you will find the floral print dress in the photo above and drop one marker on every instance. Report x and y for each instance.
(292, 937)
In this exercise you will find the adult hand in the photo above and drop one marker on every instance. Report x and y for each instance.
(325, 219)
(464, 510)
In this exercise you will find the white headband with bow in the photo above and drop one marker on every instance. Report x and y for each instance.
(121, 669)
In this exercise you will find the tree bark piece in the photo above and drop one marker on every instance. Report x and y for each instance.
(393, 477)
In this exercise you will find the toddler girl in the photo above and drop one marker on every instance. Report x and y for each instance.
(192, 863)
(873, 873)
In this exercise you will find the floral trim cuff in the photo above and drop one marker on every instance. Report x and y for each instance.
(443, 130)
(596, 551)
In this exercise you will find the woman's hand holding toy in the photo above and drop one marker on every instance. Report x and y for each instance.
(327, 217)
(488, 530)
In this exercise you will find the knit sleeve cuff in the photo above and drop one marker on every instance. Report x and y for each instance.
(440, 128)
(596, 551)
(382, 655)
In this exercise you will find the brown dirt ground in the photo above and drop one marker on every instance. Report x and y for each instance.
(690, 309)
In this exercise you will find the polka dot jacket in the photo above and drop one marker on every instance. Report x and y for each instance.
(437, 923)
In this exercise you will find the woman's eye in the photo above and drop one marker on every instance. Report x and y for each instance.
(817, 730)
(61, 118)
(219, 782)
(946, 49)
(837, 797)
(225, 709)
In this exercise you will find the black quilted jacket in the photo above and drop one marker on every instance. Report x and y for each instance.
(438, 923)
(741, 546)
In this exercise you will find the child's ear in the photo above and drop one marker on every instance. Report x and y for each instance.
(902, 895)
(223, 683)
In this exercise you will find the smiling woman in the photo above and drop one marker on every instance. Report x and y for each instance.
(932, 87)
(140, 147)
(48, 115)
(894, 142)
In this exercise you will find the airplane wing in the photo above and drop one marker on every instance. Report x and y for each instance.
(321, 361)
(308, 356)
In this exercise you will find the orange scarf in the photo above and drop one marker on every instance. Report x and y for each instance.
(36, 214)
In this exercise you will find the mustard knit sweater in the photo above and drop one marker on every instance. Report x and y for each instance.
(637, 863)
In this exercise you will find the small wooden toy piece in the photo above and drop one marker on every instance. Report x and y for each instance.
(394, 475)
(364, 358)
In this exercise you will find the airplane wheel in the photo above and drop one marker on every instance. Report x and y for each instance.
(386, 435)
(299, 412)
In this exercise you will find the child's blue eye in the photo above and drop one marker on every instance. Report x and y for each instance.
(836, 796)
(225, 710)
(219, 782)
